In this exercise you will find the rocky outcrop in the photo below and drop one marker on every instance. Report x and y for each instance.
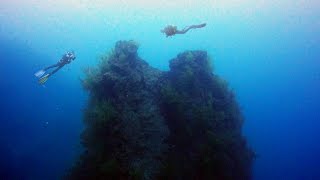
(142, 123)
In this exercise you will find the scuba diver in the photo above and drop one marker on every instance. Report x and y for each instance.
(172, 30)
(66, 59)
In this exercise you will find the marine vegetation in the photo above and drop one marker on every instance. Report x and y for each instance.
(143, 123)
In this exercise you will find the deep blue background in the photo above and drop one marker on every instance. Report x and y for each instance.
(40, 126)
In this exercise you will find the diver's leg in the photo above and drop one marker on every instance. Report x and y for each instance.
(186, 29)
(197, 26)
(43, 71)
(52, 66)
(44, 78)
(57, 69)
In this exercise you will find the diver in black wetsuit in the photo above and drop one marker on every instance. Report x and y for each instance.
(66, 59)
(172, 30)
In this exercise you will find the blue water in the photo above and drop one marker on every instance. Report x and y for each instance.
(269, 56)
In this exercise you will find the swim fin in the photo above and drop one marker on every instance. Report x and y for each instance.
(40, 73)
(44, 79)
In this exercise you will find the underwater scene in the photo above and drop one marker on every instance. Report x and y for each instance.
(159, 90)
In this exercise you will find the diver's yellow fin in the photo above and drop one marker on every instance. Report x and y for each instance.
(44, 79)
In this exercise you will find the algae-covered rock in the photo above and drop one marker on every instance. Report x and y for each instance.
(204, 121)
(142, 123)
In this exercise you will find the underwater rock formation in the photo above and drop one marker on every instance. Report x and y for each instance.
(142, 123)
